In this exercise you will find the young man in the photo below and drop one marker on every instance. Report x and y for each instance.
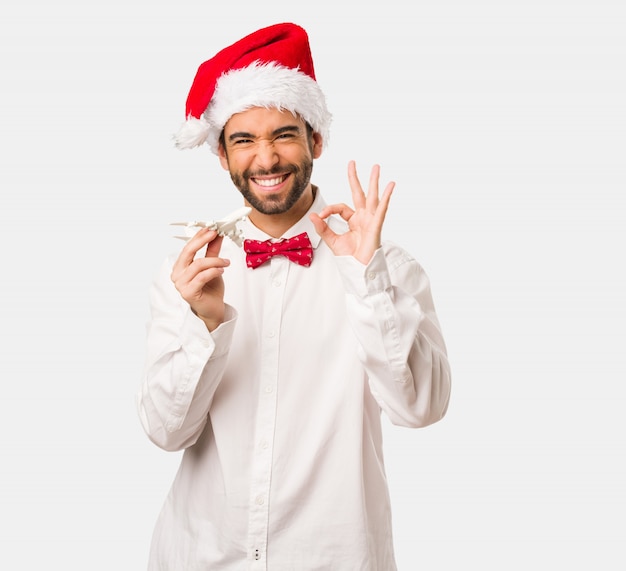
(271, 371)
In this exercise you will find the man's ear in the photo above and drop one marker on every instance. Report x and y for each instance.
(221, 153)
(318, 145)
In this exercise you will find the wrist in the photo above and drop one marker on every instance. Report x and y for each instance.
(212, 322)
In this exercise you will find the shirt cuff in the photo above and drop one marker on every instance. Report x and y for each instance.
(222, 335)
(197, 336)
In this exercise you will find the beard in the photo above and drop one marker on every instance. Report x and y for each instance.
(300, 177)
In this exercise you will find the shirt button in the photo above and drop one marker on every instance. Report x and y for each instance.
(371, 275)
(268, 389)
(259, 500)
(264, 444)
(276, 283)
(270, 334)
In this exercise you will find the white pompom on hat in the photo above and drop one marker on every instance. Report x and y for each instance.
(271, 68)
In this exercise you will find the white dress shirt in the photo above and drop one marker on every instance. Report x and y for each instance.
(279, 409)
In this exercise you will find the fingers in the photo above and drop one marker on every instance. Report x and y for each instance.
(320, 226)
(188, 267)
(372, 190)
(187, 254)
(214, 246)
(203, 271)
(372, 199)
(383, 204)
(358, 196)
(342, 209)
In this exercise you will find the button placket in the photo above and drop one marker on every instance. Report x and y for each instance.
(266, 412)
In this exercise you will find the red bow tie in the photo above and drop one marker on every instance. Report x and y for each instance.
(298, 249)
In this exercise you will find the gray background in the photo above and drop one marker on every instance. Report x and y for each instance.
(504, 126)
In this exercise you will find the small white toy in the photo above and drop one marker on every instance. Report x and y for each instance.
(227, 226)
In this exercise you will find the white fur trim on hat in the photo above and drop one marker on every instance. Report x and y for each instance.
(192, 133)
(267, 85)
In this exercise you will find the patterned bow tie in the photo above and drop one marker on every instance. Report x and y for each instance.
(298, 249)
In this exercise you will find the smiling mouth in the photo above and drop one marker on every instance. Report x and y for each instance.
(269, 182)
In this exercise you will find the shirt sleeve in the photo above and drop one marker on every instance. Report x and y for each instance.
(184, 364)
(392, 314)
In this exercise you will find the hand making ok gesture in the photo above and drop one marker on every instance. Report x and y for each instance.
(365, 220)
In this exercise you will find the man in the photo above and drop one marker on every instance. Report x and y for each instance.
(271, 371)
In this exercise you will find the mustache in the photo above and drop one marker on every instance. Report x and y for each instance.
(268, 172)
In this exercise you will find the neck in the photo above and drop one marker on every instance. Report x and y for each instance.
(275, 225)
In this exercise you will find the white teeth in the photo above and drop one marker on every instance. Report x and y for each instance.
(269, 181)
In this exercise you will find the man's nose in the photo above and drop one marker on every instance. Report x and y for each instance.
(267, 156)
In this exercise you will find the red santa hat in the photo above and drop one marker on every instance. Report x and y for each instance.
(271, 68)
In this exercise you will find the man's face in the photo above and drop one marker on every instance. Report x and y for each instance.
(269, 155)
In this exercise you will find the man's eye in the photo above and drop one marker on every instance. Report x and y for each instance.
(241, 141)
